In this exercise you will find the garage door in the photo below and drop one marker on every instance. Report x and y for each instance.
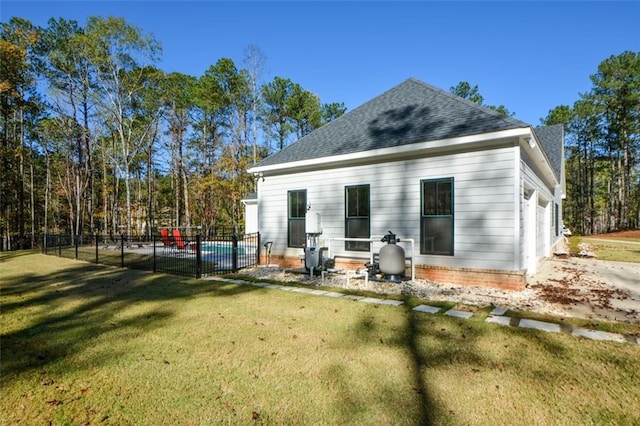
(540, 231)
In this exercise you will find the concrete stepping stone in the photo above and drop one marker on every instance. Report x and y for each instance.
(391, 302)
(273, 286)
(381, 301)
(333, 294)
(287, 288)
(498, 310)
(318, 292)
(353, 297)
(540, 325)
(458, 314)
(302, 290)
(370, 300)
(428, 309)
(598, 335)
(498, 319)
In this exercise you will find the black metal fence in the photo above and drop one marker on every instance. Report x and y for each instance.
(170, 252)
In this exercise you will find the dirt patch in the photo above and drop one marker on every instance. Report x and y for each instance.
(618, 234)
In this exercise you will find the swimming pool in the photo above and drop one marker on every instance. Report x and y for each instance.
(220, 248)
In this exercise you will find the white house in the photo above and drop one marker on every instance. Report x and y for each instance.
(479, 193)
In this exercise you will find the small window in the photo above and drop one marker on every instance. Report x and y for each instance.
(436, 219)
(297, 209)
(356, 217)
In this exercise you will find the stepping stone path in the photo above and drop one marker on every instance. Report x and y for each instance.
(496, 315)
(459, 314)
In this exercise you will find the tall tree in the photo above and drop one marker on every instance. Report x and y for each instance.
(70, 81)
(179, 89)
(603, 152)
(118, 52)
(276, 95)
(332, 111)
(20, 47)
(472, 94)
(616, 89)
(254, 62)
(465, 91)
(559, 115)
(304, 111)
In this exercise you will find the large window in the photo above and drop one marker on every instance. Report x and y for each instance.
(436, 220)
(356, 216)
(297, 209)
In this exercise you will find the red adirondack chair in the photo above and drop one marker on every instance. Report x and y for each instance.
(166, 242)
(177, 238)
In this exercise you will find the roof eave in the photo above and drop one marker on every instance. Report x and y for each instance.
(395, 151)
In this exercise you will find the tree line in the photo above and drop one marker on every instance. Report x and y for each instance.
(97, 139)
(602, 148)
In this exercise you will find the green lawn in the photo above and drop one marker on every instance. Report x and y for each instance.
(90, 344)
(614, 249)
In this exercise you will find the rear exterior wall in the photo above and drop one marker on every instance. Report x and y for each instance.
(486, 188)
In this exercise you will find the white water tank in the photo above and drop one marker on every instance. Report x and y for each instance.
(313, 222)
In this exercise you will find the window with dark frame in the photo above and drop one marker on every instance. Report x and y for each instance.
(436, 219)
(357, 207)
(297, 210)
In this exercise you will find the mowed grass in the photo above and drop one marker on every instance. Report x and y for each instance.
(618, 249)
(89, 344)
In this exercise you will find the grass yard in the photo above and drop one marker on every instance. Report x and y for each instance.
(615, 250)
(91, 344)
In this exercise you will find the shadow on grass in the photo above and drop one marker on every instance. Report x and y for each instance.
(54, 316)
(432, 344)
(423, 345)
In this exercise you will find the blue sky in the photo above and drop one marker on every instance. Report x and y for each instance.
(528, 56)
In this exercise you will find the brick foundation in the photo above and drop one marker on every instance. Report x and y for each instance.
(503, 280)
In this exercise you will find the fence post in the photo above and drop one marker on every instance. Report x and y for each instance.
(44, 245)
(59, 247)
(234, 253)
(96, 238)
(198, 256)
(122, 250)
(258, 249)
(75, 243)
(153, 241)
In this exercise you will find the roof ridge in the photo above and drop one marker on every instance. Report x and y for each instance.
(407, 113)
(485, 109)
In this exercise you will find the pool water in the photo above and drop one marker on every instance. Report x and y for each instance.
(218, 248)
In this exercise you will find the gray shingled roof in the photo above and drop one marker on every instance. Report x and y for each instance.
(552, 140)
(410, 112)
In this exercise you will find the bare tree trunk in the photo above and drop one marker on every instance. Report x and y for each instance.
(46, 193)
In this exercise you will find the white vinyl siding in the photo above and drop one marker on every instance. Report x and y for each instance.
(484, 205)
(544, 228)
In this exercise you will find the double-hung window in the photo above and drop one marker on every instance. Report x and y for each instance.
(436, 219)
(297, 209)
(356, 201)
